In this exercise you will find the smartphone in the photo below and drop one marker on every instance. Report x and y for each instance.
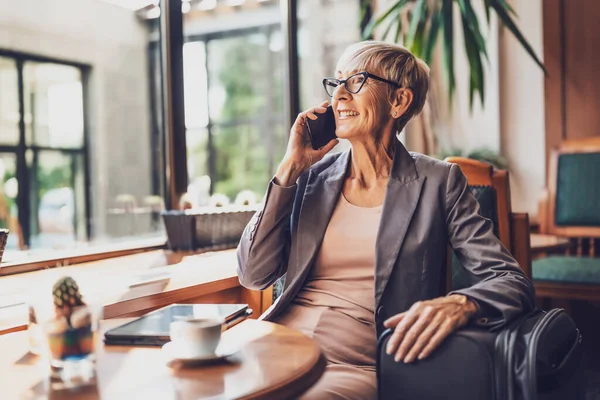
(322, 130)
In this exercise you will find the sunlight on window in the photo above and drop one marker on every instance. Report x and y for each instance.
(196, 85)
(65, 113)
(232, 156)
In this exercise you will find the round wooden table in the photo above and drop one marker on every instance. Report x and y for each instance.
(272, 362)
(548, 243)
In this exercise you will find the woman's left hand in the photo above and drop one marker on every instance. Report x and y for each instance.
(418, 331)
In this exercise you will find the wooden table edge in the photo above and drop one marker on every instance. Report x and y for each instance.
(561, 244)
(301, 379)
(287, 389)
(154, 300)
(121, 309)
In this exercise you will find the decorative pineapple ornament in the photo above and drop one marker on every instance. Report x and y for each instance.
(70, 333)
(65, 293)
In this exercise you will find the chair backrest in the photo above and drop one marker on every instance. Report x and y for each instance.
(491, 189)
(574, 189)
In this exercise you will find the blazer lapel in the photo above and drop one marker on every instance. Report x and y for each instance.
(320, 197)
(401, 199)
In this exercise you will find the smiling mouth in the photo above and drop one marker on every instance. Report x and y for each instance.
(348, 114)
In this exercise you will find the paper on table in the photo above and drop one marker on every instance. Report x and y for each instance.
(151, 277)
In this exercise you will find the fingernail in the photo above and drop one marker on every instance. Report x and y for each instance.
(408, 360)
(388, 350)
(397, 358)
(421, 356)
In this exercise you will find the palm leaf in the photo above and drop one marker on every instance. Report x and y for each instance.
(418, 15)
(500, 8)
(364, 8)
(477, 82)
(419, 41)
(488, 6)
(374, 23)
(434, 30)
(508, 7)
(469, 18)
(424, 30)
(388, 28)
(420, 38)
(398, 29)
(448, 28)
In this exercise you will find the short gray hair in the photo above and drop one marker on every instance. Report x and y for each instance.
(395, 63)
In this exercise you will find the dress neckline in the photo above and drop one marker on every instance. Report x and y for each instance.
(375, 209)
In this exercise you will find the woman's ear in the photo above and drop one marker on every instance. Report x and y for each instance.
(402, 100)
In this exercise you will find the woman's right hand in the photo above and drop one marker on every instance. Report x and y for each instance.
(300, 155)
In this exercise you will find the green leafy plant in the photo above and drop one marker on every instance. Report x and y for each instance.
(418, 24)
(480, 154)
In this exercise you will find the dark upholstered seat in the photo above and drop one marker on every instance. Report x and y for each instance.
(570, 208)
(568, 269)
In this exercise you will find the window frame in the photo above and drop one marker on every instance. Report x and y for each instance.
(212, 125)
(170, 31)
(20, 150)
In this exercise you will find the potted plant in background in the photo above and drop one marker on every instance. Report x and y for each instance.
(419, 24)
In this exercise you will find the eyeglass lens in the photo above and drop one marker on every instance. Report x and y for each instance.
(353, 84)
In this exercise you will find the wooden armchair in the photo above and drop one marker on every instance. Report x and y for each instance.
(491, 189)
(570, 207)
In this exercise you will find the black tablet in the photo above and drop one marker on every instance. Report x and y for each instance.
(152, 329)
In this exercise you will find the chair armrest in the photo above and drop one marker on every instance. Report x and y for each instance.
(543, 212)
(521, 241)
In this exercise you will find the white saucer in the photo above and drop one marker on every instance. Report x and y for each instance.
(168, 350)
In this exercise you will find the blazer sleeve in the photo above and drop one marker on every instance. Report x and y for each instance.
(499, 287)
(263, 251)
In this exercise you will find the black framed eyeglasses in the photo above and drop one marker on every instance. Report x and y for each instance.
(353, 83)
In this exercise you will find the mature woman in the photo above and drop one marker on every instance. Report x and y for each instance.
(361, 236)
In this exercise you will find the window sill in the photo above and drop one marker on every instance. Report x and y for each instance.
(133, 284)
(28, 261)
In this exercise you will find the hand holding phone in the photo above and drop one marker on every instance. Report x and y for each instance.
(310, 140)
(322, 130)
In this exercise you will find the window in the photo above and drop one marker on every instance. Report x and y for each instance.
(9, 138)
(81, 137)
(82, 143)
(43, 153)
(55, 155)
(234, 102)
(321, 42)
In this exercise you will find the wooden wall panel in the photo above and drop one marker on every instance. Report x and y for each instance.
(582, 68)
(572, 59)
(553, 60)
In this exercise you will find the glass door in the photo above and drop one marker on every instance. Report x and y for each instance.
(54, 138)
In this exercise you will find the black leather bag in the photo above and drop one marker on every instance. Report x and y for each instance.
(537, 357)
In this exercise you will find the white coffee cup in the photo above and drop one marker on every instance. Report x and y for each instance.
(192, 338)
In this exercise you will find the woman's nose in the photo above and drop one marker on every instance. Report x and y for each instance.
(341, 93)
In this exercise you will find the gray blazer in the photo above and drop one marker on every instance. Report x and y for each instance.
(427, 205)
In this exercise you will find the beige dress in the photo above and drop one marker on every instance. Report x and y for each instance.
(336, 305)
